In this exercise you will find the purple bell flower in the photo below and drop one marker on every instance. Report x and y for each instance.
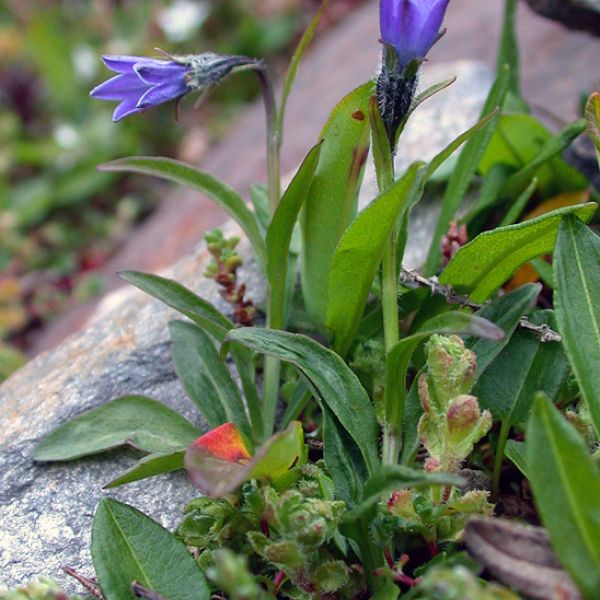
(142, 83)
(411, 27)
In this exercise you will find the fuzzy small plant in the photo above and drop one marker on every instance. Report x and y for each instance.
(452, 422)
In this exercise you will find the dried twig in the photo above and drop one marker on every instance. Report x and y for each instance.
(412, 279)
(89, 583)
(141, 592)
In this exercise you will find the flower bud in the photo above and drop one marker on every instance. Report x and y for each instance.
(463, 414)
(451, 368)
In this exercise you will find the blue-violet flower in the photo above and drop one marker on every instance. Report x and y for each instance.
(142, 83)
(411, 27)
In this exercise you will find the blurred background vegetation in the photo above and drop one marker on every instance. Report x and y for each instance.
(61, 219)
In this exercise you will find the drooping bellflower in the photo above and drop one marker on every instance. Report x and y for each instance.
(409, 28)
(142, 83)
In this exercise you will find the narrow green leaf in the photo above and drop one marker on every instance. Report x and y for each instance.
(412, 413)
(447, 152)
(303, 44)
(525, 366)
(218, 192)
(334, 384)
(516, 452)
(544, 270)
(344, 460)
(566, 488)
(518, 141)
(577, 303)
(505, 312)
(508, 53)
(592, 117)
(551, 149)
(390, 478)
(420, 98)
(206, 316)
(279, 235)
(259, 196)
(380, 145)
(517, 208)
(358, 256)
(465, 168)
(150, 466)
(205, 377)
(333, 196)
(489, 195)
(484, 264)
(132, 420)
(399, 357)
(128, 546)
(183, 300)
(300, 398)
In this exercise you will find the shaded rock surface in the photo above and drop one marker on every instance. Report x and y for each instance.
(46, 511)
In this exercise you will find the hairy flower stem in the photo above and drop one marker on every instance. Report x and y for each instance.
(500, 447)
(272, 366)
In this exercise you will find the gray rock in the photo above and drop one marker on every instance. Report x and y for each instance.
(46, 510)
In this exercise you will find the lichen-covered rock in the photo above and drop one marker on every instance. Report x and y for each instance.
(46, 511)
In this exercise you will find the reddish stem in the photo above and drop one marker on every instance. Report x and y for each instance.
(279, 579)
(433, 548)
(264, 527)
(389, 558)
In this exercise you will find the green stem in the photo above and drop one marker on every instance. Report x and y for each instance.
(274, 138)
(500, 447)
(274, 312)
(392, 438)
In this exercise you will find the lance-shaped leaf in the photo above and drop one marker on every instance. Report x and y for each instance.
(551, 149)
(524, 367)
(506, 312)
(279, 235)
(206, 316)
(303, 44)
(332, 381)
(359, 253)
(218, 192)
(333, 196)
(577, 301)
(566, 487)
(592, 118)
(132, 420)
(205, 377)
(519, 556)
(344, 460)
(219, 461)
(484, 264)
(516, 452)
(150, 466)
(128, 547)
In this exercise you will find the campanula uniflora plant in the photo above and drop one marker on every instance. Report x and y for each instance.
(412, 403)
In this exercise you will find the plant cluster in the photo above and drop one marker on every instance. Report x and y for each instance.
(420, 406)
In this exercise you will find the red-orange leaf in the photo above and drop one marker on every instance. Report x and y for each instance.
(224, 442)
